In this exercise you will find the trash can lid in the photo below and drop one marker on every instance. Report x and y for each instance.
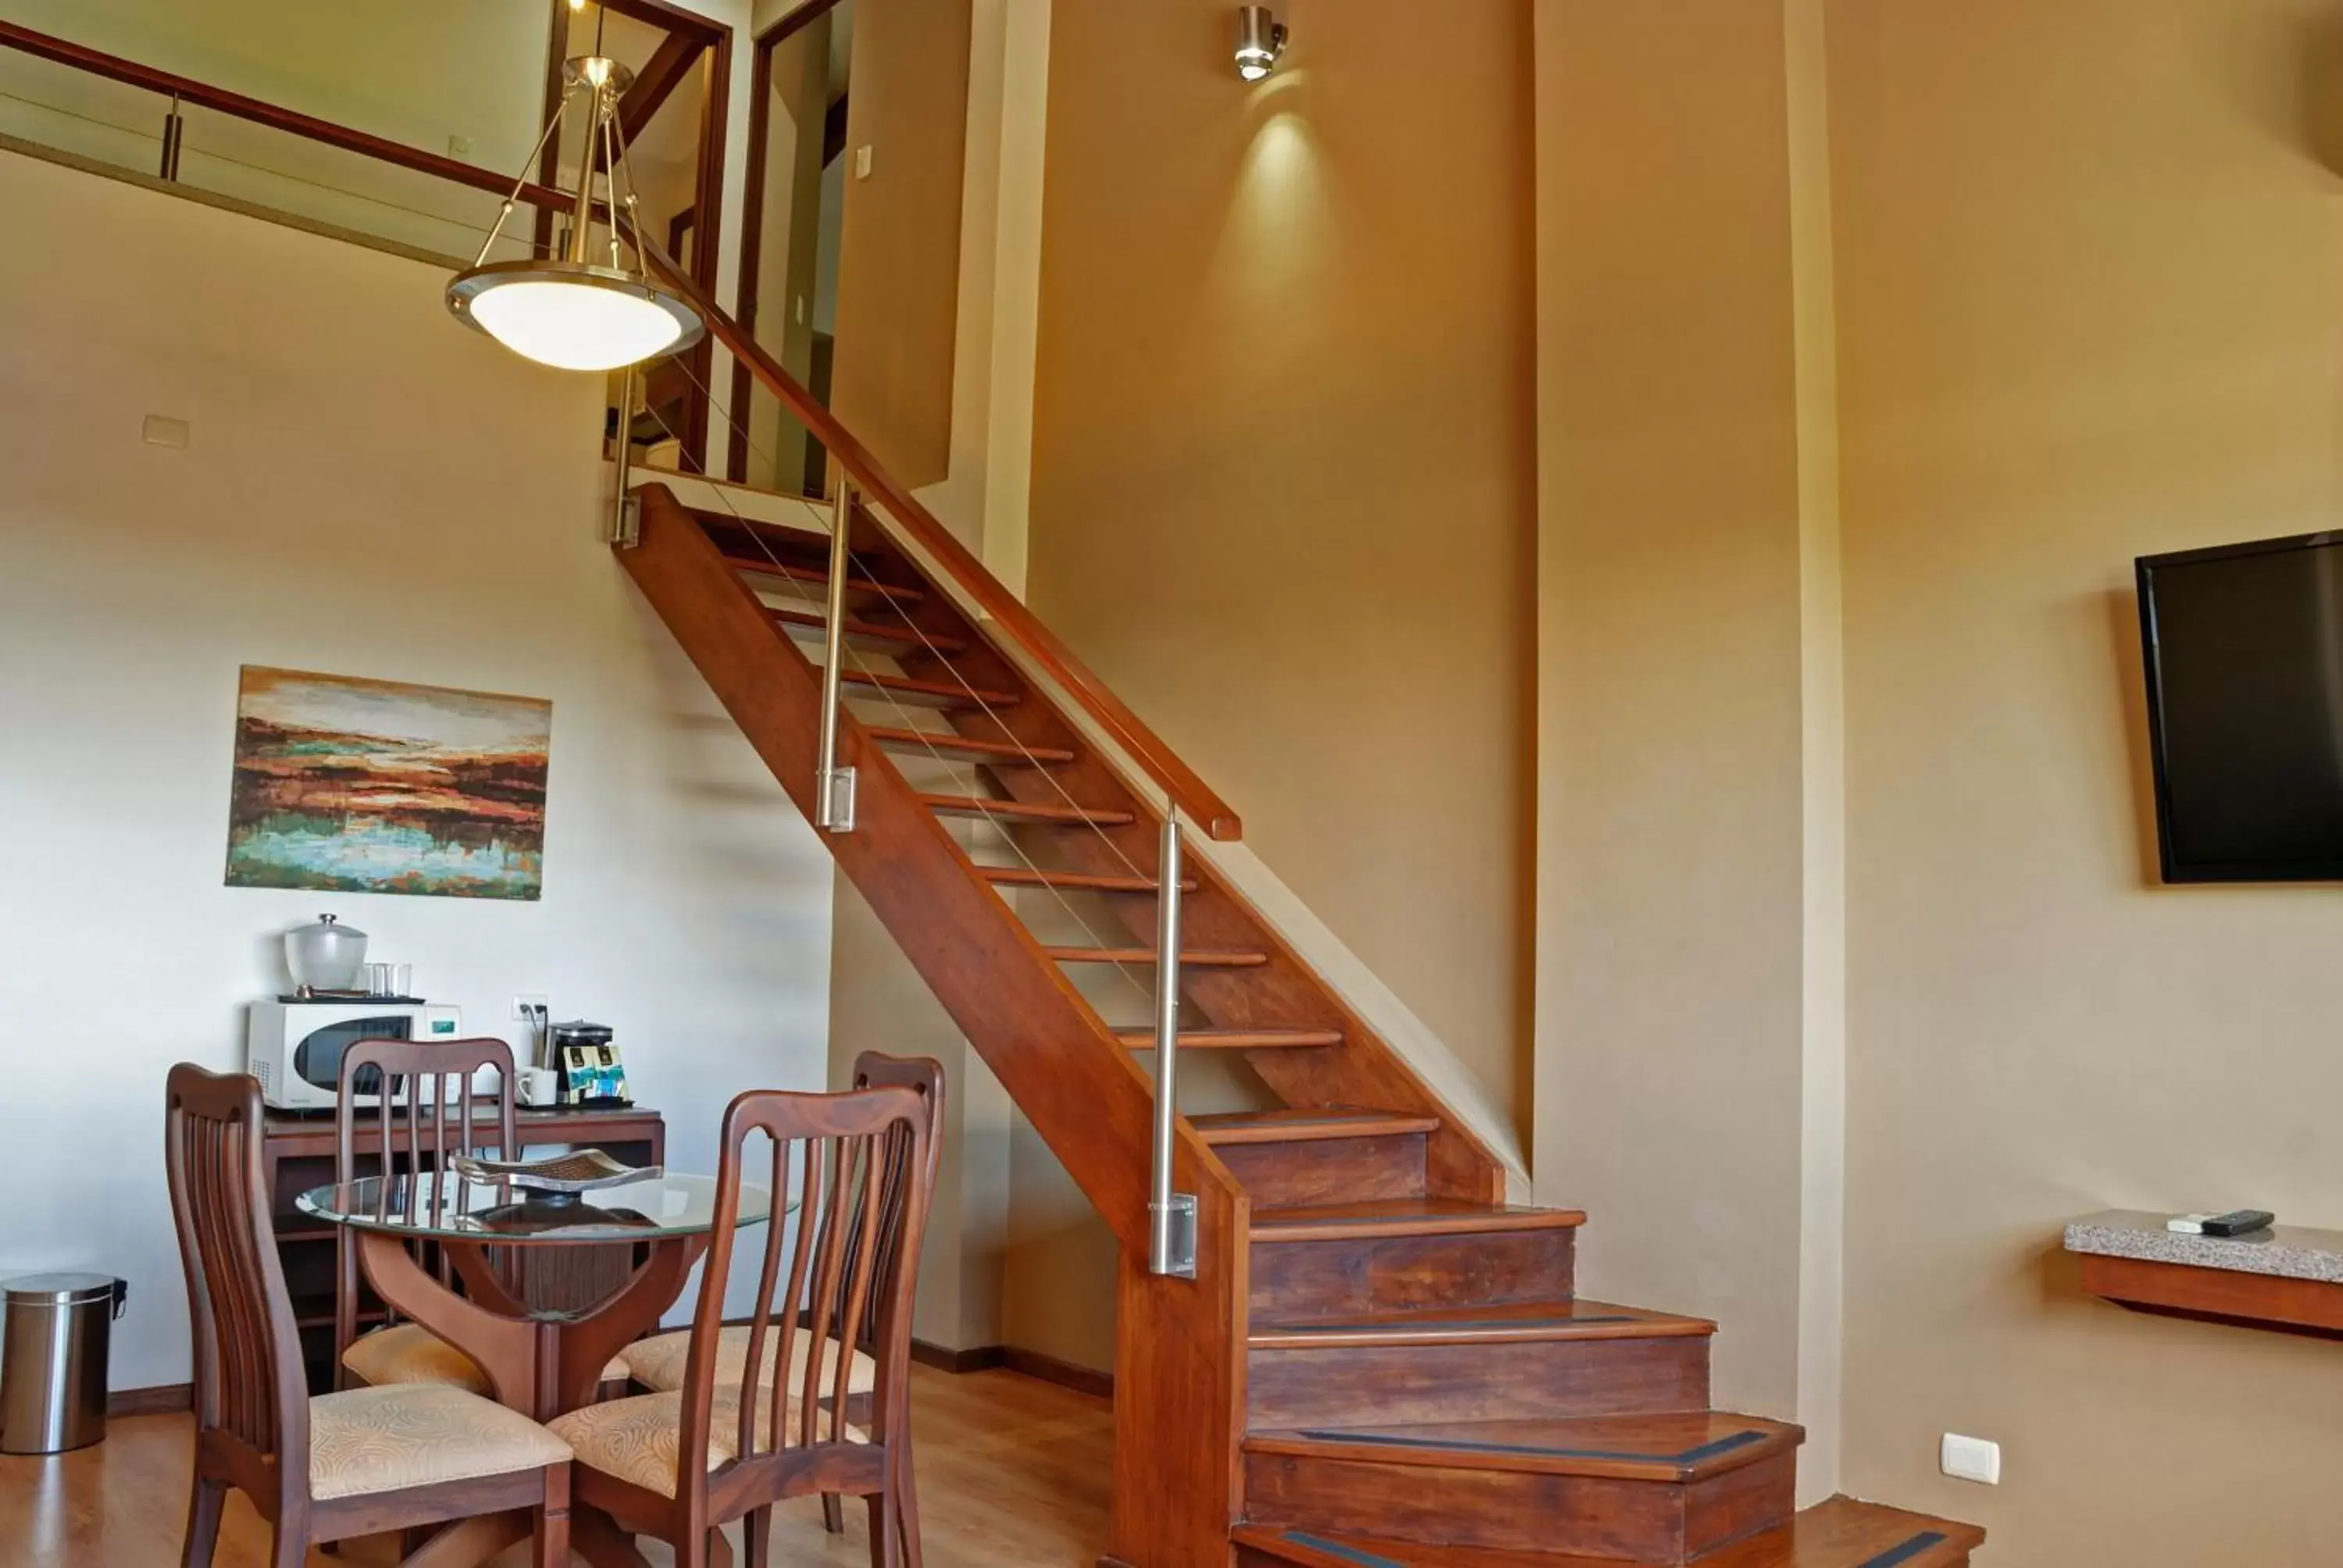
(59, 1289)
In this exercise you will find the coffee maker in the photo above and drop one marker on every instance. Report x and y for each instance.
(587, 1068)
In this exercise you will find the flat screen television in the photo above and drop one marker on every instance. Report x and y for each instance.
(2244, 649)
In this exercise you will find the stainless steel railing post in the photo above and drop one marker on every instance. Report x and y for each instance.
(834, 787)
(625, 520)
(1171, 1216)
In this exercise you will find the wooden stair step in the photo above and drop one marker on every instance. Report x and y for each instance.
(1301, 1155)
(758, 566)
(1199, 959)
(1839, 1533)
(1025, 811)
(1307, 1124)
(991, 753)
(1507, 1322)
(1075, 881)
(1237, 1039)
(1683, 1446)
(930, 693)
(1470, 1359)
(718, 522)
(815, 625)
(1666, 1488)
(1405, 1217)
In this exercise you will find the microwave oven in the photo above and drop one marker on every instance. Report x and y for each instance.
(294, 1047)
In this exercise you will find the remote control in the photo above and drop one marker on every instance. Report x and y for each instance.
(2236, 1223)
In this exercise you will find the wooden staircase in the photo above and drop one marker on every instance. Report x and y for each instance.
(1381, 1363)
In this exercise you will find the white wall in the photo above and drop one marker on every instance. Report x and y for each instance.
(370, 489)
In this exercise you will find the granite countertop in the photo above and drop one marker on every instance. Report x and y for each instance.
(2287, 1251)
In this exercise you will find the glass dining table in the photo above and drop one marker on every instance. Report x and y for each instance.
(544, 1356)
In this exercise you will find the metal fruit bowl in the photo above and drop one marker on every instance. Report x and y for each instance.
(579, 1171)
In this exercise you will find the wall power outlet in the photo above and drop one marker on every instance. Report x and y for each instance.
(1970, 1459)
(529, 1008)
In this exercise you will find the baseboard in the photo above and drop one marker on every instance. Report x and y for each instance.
(1065, 1374)
(165, 1399)
(1031, 1363)
(982, 1358)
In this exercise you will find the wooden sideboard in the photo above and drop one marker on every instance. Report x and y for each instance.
(297, 1154)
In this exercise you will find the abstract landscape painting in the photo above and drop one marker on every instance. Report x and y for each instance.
(375, 787)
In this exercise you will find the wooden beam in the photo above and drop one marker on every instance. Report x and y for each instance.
(656, 82)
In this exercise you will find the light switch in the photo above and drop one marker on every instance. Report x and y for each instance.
(862, 162)
(459, 146)
(1970, 1459)
(161, 430)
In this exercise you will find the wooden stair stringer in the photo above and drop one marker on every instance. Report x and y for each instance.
(1285, 994)
(1180, 1370)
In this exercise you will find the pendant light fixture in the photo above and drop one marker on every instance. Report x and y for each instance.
(576, 311)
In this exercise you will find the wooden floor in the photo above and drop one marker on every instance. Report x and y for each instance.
(1010, 1471)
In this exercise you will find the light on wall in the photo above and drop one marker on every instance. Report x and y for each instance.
(1261, 39)
(574, 312)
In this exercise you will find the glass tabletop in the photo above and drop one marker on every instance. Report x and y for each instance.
(450, 1207)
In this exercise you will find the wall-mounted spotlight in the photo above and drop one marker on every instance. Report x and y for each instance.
(1261, 39)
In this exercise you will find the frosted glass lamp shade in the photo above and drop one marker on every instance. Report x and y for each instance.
(573, 315)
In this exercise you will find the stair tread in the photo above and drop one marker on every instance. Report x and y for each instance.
(1008, 753)
(1839, 1533)
(814, 621)
(758, 566)
(1512, 1321)
(1309, 1124)
(1193, 958)
(1032, 811)
(1403, 1217)
(1675, 1447)
(951, 693)
(1236, 1039)
(780, 533)
(1075, 881)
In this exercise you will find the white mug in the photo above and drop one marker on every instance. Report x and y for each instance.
(539, 1086)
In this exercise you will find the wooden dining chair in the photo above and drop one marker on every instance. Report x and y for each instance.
(357, 1461)
(679, 1464)
(923, 1076)
(432, 1076)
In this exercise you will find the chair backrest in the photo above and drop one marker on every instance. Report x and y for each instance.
(840, 1155)
(440, 1116)
(924, 1076)
(250, 1388)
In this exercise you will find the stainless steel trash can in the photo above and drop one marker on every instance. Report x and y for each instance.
(53, 1359)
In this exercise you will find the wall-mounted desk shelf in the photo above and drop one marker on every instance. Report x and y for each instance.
(2287, 1278)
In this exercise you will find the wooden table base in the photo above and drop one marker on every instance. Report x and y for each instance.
(540, 1367)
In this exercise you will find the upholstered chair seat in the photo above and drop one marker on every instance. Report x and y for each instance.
(640, 1440)
(364, 1441)
(658, 1363)
(411, 1353)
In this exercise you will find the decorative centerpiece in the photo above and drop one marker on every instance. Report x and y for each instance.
(558, 1179)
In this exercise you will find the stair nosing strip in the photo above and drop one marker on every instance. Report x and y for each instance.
(1713, 1449)
(1904, 1551)
(1348, 1554)
(1450, 1325)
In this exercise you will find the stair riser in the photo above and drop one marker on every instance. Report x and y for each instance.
(1305, 1278)
(1644, 1521)
(1391, 1386)
(1328, 1171)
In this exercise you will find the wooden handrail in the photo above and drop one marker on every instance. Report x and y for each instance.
(1007, 612)
(987, 593)
(203, 95)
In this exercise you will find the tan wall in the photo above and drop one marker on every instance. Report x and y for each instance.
(369, 488)
(1670, 793)
(1282, 484)
(899, 257)
(2091, 270)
